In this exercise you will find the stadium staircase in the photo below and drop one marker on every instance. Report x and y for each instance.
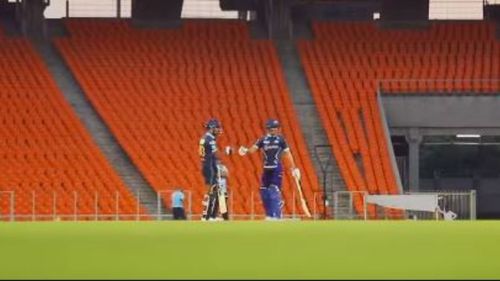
(94, 124)
(317, 142)
(47, 158)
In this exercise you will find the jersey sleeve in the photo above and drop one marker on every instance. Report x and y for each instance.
(259, 143)
(201, 148)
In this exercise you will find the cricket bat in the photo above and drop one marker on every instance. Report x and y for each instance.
(220, 193)
(303, 202)
(222, 202)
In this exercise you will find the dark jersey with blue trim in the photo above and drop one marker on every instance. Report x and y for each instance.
(272, 147)
(207, 149)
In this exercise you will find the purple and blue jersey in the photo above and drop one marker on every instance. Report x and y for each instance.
(272, 148)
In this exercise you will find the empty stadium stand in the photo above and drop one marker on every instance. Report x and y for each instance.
(49, 165)
(345, 62)
(156, 87)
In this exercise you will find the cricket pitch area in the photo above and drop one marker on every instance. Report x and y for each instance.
(251, 250)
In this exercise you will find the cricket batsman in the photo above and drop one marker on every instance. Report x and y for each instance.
(210, 158)
(273, 147)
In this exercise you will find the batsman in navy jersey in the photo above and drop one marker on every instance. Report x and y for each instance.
(208, 153)
(273, 147)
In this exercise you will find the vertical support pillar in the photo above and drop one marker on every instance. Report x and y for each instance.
(118, 8)
(414, 139)
(33, 22)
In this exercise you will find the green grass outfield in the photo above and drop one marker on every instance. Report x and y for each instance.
(251, 250)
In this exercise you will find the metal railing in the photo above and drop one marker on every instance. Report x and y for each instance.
(460, 202)
(97, 206)
(458, 86)
(346, 206)
(7, 204)
(75, 205)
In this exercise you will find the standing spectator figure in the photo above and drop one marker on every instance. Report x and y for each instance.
(178, 204)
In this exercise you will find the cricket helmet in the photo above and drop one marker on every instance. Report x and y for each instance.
(212, 123)
(272, 123)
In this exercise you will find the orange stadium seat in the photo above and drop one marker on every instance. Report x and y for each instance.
(47, 159)
(156, 87)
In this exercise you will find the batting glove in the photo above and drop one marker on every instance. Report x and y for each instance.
(243, 150)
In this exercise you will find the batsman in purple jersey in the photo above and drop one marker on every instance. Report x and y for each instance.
(273, 147)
